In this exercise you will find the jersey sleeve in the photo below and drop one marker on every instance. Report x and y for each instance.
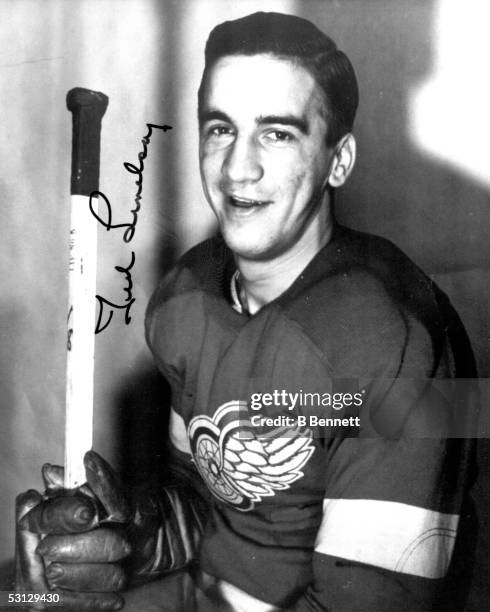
(393, 494)
(390, 519)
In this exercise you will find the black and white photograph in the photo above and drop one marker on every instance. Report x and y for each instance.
(245, 330)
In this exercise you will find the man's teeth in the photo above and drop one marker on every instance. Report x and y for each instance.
(243, 203)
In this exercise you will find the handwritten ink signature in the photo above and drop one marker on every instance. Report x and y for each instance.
(145, 141)
(105, 219)
(125, 307)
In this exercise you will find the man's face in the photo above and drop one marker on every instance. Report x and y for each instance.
(264, 161)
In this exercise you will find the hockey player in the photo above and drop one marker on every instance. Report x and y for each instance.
(285, 303)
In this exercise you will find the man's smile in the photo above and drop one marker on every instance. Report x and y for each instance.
(245, 203)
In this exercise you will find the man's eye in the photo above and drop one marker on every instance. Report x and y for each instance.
(279, 136)
(219, 130)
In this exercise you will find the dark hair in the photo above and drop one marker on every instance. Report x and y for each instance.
(297, 40)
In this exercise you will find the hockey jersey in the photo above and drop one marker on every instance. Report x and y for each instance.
(317, 426)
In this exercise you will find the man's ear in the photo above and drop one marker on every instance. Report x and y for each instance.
(343, 161)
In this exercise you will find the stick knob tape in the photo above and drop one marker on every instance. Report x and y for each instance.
(87, 108)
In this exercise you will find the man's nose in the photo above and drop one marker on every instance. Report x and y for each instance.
(242, 162)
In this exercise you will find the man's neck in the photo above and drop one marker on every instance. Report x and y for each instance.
(262, 282)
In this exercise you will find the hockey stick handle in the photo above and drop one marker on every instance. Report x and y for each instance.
(88, 108)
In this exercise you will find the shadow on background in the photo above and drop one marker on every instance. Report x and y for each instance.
(144, 416)
(438, 215)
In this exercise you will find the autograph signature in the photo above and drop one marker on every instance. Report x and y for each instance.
(125, 307)
(104, 217)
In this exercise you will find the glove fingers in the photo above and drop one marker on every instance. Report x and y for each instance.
(104, 483)
(25, 503)
(54, 480)
(29, 566)
(53, 477)
(88, 602)
(93, 577)
(98, 546)
(63, 514)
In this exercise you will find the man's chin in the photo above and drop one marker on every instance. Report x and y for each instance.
(243, 248)
(248, 250)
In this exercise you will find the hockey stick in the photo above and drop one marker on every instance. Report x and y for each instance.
(87, 108)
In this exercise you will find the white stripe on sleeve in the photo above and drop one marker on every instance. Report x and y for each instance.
(391, 535)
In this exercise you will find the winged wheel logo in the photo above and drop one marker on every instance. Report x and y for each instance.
(241, 468)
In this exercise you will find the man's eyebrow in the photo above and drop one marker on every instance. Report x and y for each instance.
(292, 120)
(287, 120)
(213, 115)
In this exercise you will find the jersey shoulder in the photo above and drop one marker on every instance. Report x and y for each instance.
(205, 268)
(362, 300)
(201, 268)
(177, 311)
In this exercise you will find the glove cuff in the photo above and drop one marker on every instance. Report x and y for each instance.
(166, 530)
